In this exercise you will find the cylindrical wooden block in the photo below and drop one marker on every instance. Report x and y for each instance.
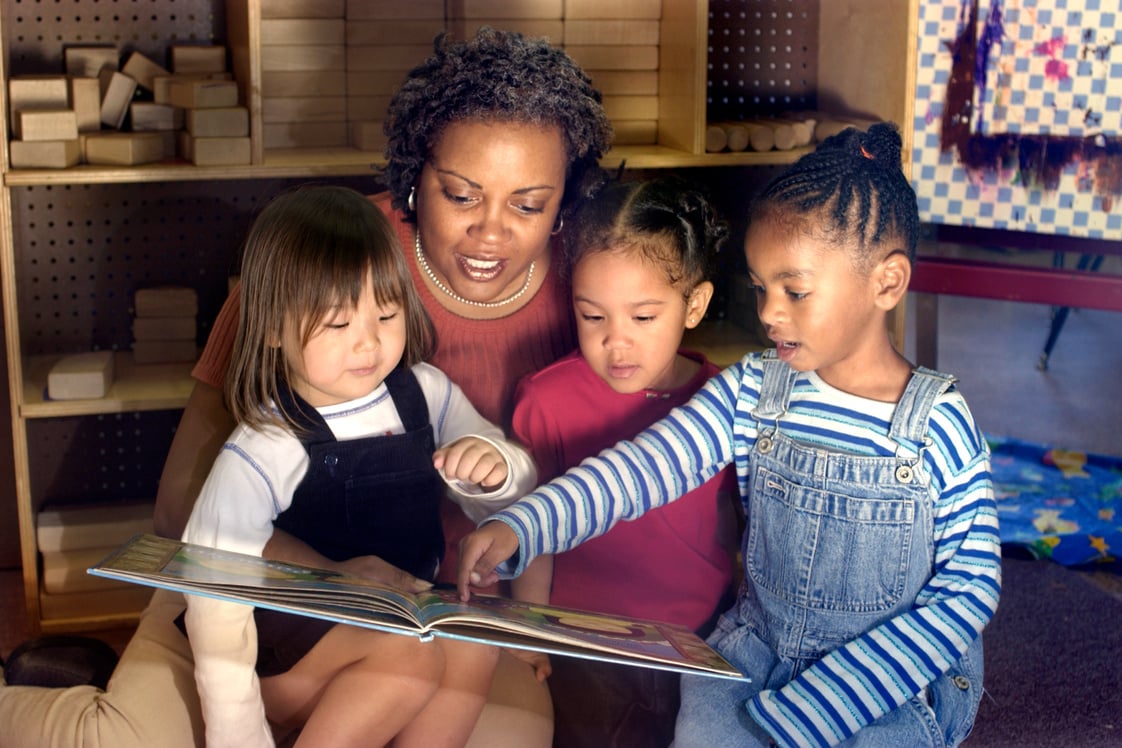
(715, 139)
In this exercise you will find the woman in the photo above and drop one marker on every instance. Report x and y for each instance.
(490, 141)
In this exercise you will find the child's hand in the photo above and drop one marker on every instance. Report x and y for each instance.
(539, 661)
(473, 460)
(480, 551)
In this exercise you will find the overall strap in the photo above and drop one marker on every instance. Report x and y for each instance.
(311, 427)
(909, 420)
(775, 390)
(408, 398)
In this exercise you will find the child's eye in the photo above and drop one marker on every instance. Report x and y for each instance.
(797, 295)
(644, 318)
(335, 325)
(386, 317)
(592, 317)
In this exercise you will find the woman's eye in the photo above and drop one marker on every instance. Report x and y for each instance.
(457, 199)
(528, 209)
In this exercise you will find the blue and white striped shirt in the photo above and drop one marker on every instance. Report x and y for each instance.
(885, 666)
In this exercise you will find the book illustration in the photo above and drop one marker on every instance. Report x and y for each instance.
(159, 562)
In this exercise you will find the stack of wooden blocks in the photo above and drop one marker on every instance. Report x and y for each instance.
(216, 127)
(303, 74)
(164, 325)
(71, 538)
(385, 39)
(617, 44)
(102, 113)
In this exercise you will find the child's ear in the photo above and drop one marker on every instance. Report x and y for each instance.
(698, 302)
(892, 276)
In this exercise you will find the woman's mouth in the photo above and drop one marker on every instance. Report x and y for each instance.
(480, 271)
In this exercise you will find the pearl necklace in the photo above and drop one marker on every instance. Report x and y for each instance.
(424, 263)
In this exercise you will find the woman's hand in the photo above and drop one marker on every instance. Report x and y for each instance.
(480, 552)
(472, 460)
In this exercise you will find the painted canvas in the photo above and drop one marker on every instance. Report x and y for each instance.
(1018, 115)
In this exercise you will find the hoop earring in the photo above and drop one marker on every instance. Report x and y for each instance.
(411, 201)
(558, 226)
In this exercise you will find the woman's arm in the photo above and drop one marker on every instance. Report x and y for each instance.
(202, 431)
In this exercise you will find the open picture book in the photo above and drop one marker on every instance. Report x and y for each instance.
(150, 560)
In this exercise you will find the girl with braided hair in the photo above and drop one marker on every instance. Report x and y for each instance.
(639, 255)
(871, 555)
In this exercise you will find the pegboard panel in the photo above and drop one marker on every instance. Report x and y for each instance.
(37, 30)
(98, 459)
(81, 251)
(762, 57)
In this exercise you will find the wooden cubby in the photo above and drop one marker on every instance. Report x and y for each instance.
(75, 243)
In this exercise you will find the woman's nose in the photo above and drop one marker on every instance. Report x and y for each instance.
(490, 226)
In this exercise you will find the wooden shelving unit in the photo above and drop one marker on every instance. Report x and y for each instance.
(75, 243)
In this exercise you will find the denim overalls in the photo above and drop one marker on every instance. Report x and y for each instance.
(378, 495)
(836, 544)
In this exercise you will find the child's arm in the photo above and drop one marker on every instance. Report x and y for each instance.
(883, 668)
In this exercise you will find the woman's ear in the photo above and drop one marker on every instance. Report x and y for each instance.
(892, 276)
(697, 303)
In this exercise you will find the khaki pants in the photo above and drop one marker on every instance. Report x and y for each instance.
(151, 700)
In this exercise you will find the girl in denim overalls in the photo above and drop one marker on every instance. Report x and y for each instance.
(337, 445)
(871, 555)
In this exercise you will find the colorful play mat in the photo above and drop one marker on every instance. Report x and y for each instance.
(1058, 504)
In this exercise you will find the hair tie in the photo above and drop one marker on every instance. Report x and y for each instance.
(866, 154)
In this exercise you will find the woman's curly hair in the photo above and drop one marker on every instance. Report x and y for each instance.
(494, 76)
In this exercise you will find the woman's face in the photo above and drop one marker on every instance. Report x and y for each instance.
(487, 200)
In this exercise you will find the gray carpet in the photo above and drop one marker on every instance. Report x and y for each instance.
(1053, 662)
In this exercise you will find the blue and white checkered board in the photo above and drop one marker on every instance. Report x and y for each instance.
(1057, 71)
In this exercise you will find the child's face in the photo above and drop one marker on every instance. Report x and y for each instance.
(350, 352)
(817, 309)
(630, 322)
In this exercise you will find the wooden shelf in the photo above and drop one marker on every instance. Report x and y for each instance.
(723, 342)
(135, 387)
(341, 162)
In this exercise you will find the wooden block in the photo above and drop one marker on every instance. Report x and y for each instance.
(82, 526)
(298, 31)
(368, 10)
(147, 115)
(85, 100)
(631, 107)
(36, 92)
(634, 132)
(81, 376)
(715, 139)
(640, 31)
(278, 83)
(599, 9)
(164, 351)
(310, 57)
(220, 151)
(303, 8)
(202, 93)
(614, 56)
(164, 328)
(57, 154)
(397, 57)
(367, 107)
(421, 31)
(183, 144)
(124, 148)
(552, 30)
(625, 82)
(65, 571)
(117, 90)
(540, 9)
(168, 138)
(166, 301)
(368, 136)
(161, 84)
(304, 109)
(143, 70)
(373, 82)
(738, 136)
(87, 61)
(218, 122)
(198, 58)
(48, 124)
(305, 135)
(782, 132)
